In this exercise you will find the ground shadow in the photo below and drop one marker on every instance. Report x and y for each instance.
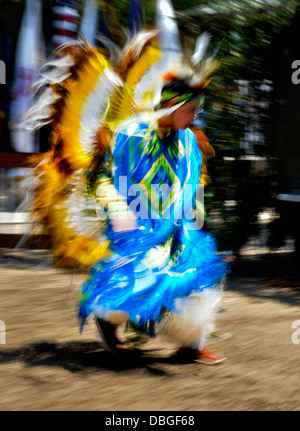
(85, 357)
(25, 259)
(272, 276)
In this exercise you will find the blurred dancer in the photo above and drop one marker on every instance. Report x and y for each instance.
(163, 268)
(118, 190)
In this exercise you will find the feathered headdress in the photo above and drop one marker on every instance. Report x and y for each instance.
(83, 96)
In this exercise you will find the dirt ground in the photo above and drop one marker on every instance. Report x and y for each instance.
(47, 365)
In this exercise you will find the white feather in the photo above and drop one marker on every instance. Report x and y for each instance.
(95, 108)
(113, 49)
(138, 43)
(56, 71)
(42, 111)
(201, 47)
(167, 25)
(72, 42)
(192, 324)
(81, 211)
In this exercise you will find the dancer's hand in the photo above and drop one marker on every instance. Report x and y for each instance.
(125, 223)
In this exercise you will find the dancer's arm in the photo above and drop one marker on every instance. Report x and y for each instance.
(108, 195)
(122, 218)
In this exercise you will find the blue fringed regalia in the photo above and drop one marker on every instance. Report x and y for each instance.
(167, 256)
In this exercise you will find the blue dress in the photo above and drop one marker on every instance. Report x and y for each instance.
(168, 256)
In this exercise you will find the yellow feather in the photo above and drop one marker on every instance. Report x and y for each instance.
(71, 115)
(147, 59)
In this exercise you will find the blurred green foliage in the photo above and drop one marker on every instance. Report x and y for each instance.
(249, 36)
